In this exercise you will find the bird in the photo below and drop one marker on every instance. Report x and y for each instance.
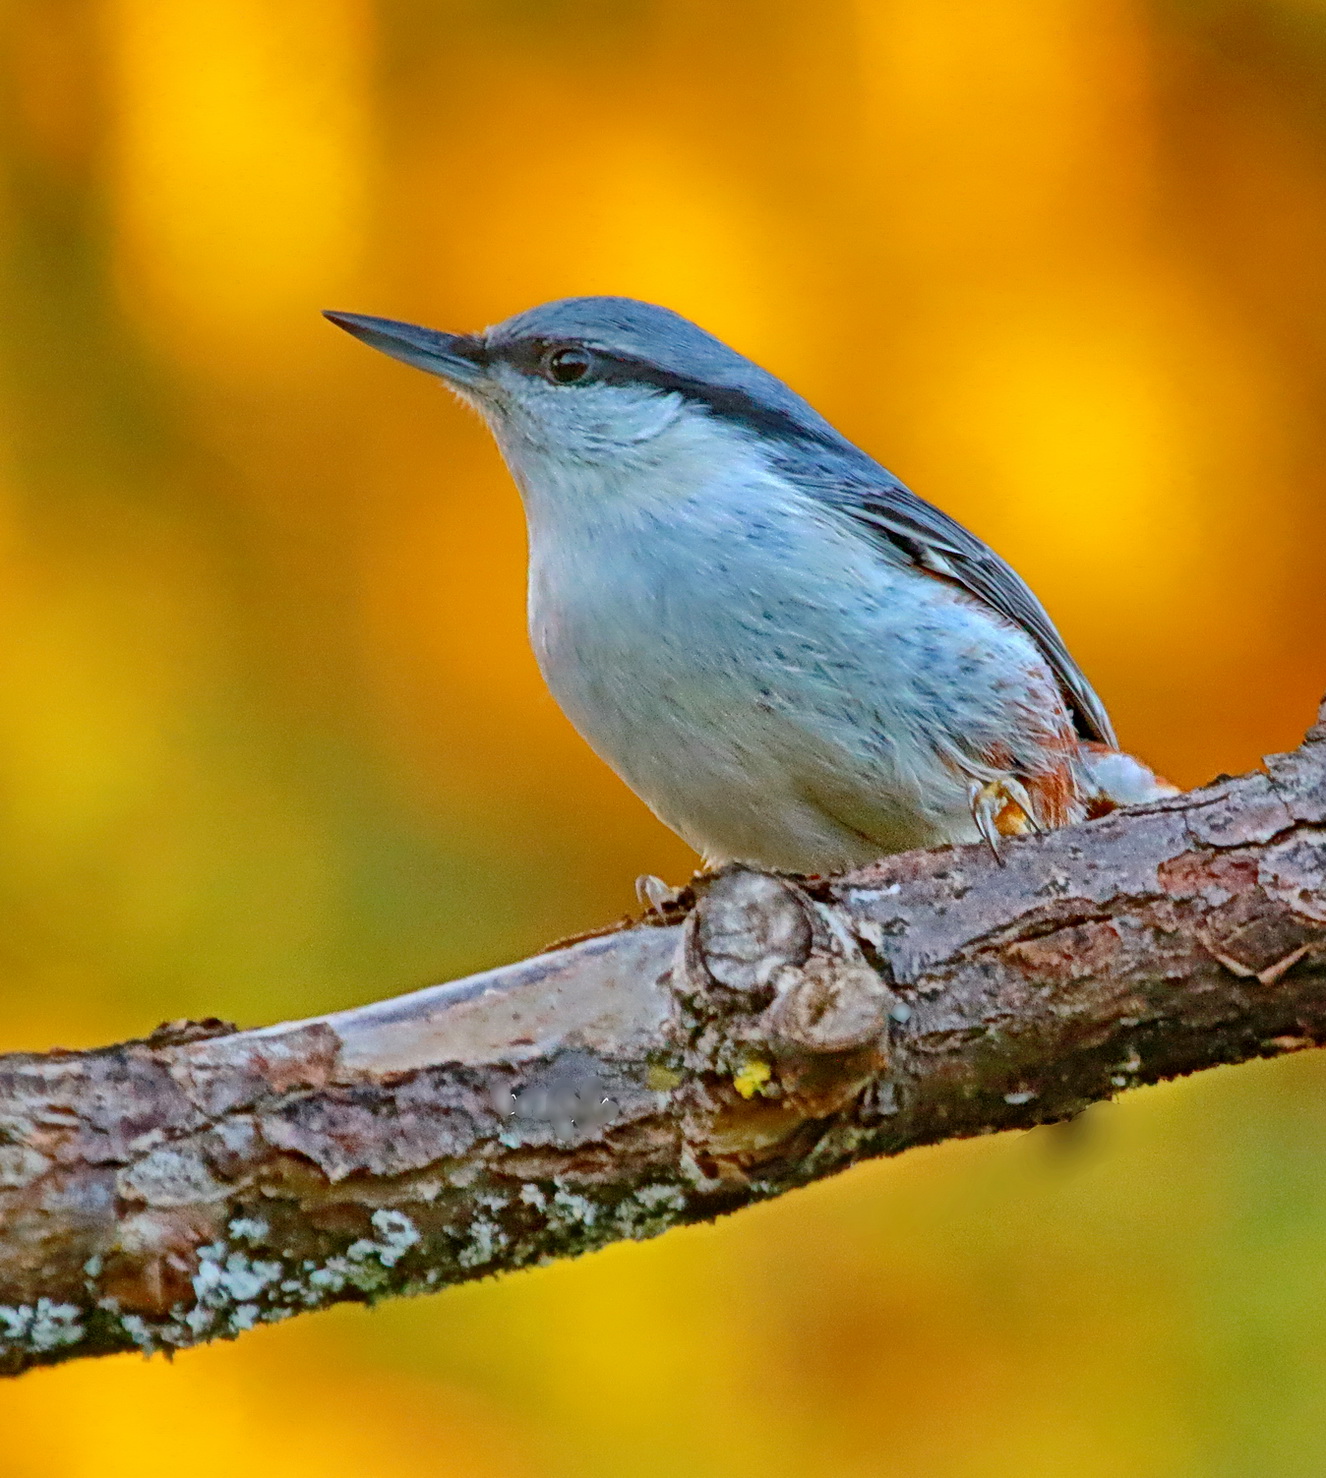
(796, 662)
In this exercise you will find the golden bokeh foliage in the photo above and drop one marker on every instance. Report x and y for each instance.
(271, 740)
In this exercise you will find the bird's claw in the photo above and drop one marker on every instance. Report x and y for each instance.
(1002, 808)
(655, 894)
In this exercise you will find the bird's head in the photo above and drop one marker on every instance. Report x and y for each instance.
(585, 387)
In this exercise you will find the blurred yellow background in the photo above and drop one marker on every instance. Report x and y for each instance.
(271, 741)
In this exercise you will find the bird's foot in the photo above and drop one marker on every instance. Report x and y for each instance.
(1002, 808)
(656, 895)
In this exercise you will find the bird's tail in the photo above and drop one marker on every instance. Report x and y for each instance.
(1117, 779)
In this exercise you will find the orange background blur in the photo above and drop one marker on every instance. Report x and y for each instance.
(271, 741)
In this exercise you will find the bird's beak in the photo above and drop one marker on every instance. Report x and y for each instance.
(457, 358)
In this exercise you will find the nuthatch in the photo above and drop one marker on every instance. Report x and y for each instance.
(794, 660)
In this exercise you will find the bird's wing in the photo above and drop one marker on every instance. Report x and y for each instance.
(936, 542)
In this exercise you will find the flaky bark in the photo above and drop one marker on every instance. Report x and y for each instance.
(774, 1031)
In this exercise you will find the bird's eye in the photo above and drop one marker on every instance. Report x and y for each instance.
(566, 366)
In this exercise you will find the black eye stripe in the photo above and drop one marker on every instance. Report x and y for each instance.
(531, 356)
(727, 403)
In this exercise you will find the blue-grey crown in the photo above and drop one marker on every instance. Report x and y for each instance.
(641, 343)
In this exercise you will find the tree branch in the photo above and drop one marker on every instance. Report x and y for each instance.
(771, 1032)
